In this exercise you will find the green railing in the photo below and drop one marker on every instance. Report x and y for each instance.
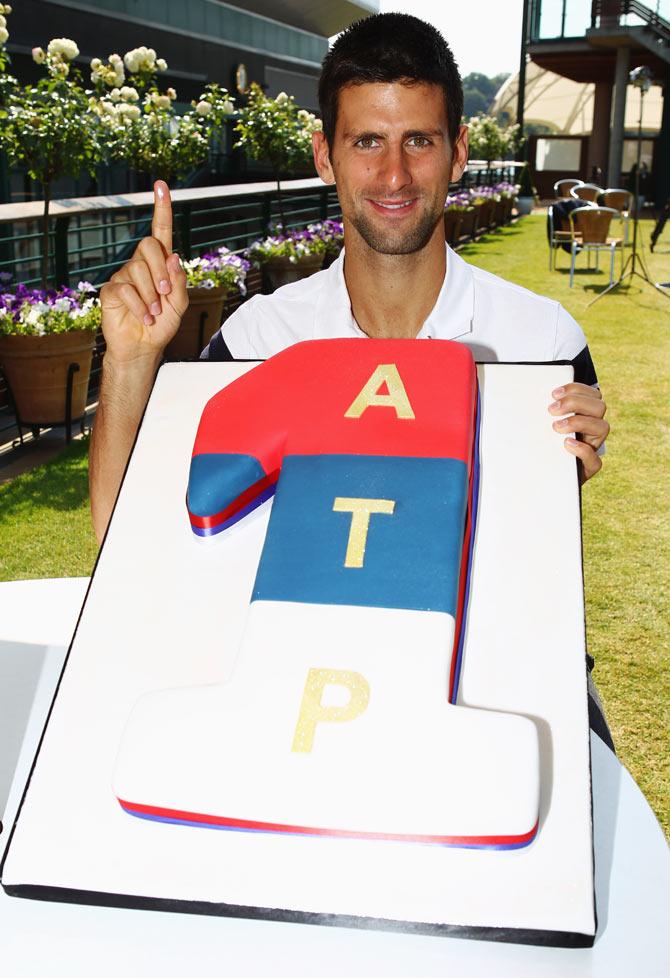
(91, 237)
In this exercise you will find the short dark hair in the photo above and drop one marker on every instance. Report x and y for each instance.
(389, 48)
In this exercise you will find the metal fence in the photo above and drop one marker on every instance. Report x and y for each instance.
(90, 237)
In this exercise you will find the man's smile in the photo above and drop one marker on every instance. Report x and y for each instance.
(395, 207)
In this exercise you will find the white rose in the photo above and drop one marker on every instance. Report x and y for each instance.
(63, 47)
(282, 98)
(119, 73)
(161, 64)
(95, 62)
(149, 53)
(163, 102)
(129, 94)
(132, 111)
(39, 56)
(228, 107)
(130, 59)
(115, 95)
(115, 59)
(4, 34)
(7, 8)
(3, 22)
(203, 108)
(171, 93)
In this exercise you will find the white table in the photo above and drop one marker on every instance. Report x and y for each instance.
(38, 939)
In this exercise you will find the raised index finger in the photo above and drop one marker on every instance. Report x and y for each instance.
(161, 223)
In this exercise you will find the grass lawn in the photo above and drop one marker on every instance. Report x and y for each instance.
(45, 529)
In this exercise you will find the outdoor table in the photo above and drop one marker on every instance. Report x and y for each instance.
(38, 938)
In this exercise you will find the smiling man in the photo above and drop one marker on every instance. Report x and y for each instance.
(391, 102)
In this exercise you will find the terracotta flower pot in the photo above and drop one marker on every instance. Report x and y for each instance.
(37, 368)
(281, 271)
(199, 323)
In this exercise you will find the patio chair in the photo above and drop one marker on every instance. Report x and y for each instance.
(586, 191)
(621, 201)
(559, 234)
(562, 187)
(589, 227)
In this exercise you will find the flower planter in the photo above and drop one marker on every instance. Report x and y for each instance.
(524, 205)
(468, 224)
(484, 215)
(452, 226)
(281, 271)
(199, 323)
(37, 370)
(499, 212)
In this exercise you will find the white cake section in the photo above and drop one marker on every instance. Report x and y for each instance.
(193, 750)
(168, 611)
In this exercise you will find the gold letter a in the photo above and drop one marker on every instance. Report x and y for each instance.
(370, 397)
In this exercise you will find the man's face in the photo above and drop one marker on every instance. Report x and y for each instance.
(392, 162)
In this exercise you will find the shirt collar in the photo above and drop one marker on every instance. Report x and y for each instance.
(451, 316)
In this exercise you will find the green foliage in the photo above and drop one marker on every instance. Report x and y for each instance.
(47, 127)
(275, 129)
(150, 137)
(489, 140)
(479, 92)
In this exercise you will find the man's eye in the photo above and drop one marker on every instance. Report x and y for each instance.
(366, 142)
(419, 141)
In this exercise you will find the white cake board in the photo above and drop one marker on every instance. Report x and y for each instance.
(163, 612)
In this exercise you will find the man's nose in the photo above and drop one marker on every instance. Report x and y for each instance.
(395, 173)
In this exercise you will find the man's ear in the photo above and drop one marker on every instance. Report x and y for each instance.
(322, 157)
(460, 154)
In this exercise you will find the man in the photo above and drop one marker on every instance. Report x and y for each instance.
(391, 102)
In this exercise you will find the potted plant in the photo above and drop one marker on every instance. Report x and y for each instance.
(209, 280)
(483, 201)
(457, 208)
(43, 333)
(288, 257)
(140, 123)
(49, 127)
(332, 234)
(527, 192)
(276, 130)
(506, 193)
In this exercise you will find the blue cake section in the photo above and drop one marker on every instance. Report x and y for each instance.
(216, 480)
(412, 558)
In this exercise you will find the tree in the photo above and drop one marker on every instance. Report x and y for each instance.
(490, 141)
(48, 127)
(479, 91)
(140, 123)
(276, 130)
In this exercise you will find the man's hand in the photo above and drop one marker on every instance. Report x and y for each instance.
(586, 408)
(142, 304)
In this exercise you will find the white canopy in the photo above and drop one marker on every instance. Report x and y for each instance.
(566, 106)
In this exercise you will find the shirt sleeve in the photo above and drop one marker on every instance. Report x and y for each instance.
(571, 345)
(232, 341)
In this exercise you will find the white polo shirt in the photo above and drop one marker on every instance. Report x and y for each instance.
(499, 321)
